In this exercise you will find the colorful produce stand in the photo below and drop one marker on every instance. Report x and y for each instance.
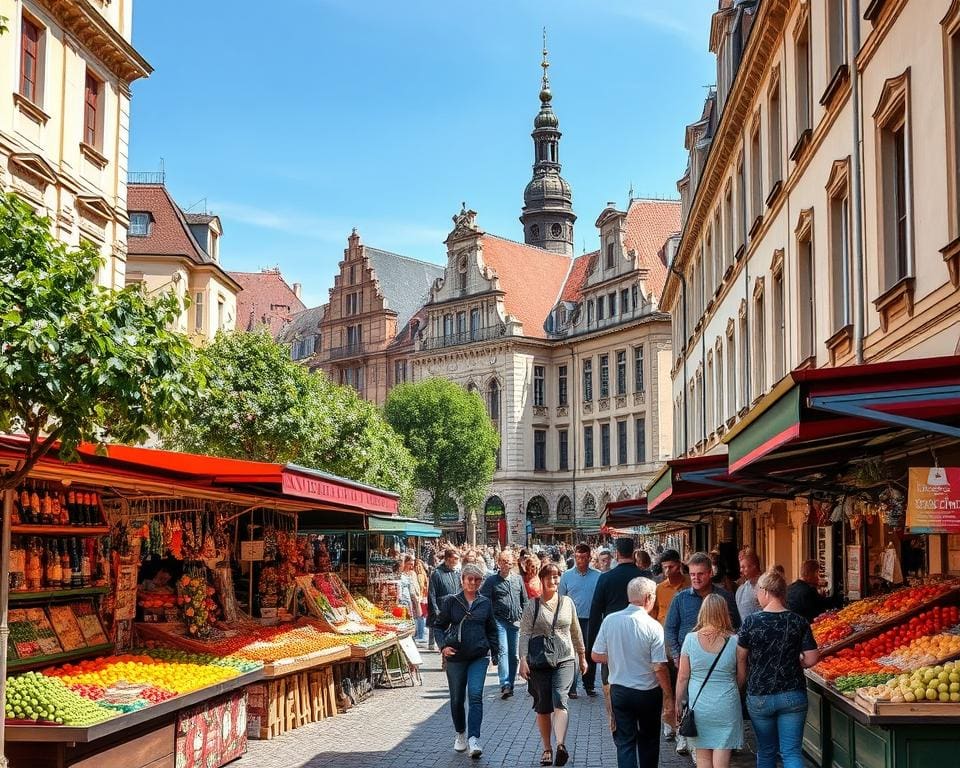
(84, 689)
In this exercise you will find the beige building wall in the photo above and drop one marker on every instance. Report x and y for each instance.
(44, 154)
(769, 254)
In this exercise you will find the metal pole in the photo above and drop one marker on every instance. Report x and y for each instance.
(4, 601)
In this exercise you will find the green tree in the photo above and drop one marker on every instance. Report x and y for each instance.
(451, 438)
(80, 362)
(261, 405)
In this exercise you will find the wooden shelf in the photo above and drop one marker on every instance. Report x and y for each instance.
(60, 530)
(16, 665)
(56, 594)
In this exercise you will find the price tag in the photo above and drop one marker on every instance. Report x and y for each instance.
(251, 550)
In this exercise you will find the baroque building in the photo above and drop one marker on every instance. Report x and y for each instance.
(64, 134)
(821, 218)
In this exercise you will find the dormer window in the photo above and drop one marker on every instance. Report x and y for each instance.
(609, 255)
(139, 225)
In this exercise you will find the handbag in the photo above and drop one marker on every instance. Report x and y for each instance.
(687, 725)
(543, 651)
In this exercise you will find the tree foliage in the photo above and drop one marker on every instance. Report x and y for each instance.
(80, 362)
(450, 436)
(261, 405)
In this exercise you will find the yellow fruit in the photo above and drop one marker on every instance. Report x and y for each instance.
(908, 696)
(944, 697)
(931, 694)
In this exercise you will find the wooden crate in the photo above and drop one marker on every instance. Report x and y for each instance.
(291, 702)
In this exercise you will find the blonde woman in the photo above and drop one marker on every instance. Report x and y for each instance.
(714, 701)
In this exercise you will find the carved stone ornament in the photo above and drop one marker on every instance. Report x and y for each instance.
(603, 404)
(464, 224)
(563, 410)
(541, 411)
(588, 407)
(639, 398)
(621, 401)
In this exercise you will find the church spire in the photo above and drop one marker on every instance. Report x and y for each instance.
(548, 215)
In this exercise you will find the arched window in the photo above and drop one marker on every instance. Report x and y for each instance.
(493, 401)
(589, 506)
(564, 510)
(537, 509)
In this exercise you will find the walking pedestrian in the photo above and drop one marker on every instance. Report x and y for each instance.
(684, 609)
(445, 580)
(803, 596)
(410, 596)
(529, 569)
(708, 676)
(552, 615)
(469, 639)
(579, 583)
(506, 591)
(641, 559)
(609, 597)
(674, 579)
(747, 592)
(774, 646)
(604, 559)
(630, 643)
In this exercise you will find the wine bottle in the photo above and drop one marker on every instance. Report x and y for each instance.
(87, 507)
(53, 565)
(75, 574)
(35, 505)
(46, 510)
(95, 517)
(24, 504)
(66, 570)
(62, 515)
(86, 566)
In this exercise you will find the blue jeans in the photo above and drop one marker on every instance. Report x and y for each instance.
(465, 681)
(420, 624)
(778, 720)
(589, 679)
(507, 661)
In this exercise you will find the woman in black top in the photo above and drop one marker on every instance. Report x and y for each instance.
(774, 646)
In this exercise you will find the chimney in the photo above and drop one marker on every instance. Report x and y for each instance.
(296, 289)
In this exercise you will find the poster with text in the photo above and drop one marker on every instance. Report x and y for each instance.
(933, 500)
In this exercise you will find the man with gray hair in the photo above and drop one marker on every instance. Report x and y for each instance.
(630, 643)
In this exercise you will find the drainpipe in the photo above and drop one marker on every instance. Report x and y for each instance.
(856, 190)
(683, 307)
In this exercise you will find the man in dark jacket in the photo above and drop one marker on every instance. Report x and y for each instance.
(609, 597)
(803, 596)
(506, 591)
(445, 580)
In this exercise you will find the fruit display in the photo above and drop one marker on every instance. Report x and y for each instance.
(367, 609)
(37, 697)
(176, 676)
(341, 618)
(940, 683)
(829, 628)
(848, 684)
(195, 596)
(290, 644)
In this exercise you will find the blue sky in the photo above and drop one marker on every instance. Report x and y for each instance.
(299, 120)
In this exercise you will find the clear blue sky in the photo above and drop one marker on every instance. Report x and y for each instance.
(297, 121)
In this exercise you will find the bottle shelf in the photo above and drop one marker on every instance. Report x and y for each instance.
(60, 530)
(51, 594)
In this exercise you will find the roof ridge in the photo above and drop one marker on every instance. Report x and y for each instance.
(526, 245)
(405, 258)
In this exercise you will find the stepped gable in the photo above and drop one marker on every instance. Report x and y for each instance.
(649, 224)
(169, 233)
(404, 283)
(530, 278)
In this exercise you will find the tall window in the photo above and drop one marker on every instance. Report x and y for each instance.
(706, 258)
(612, 303)
(600, 308)
(539, 385)
(728, 246)
(474, 324)
(742, 220)
(563, 449)
(605, 445)
(353, 335)
(638, 368)
(561, 385)
(759, 344)
(539, 449)
(198, 311)
(802, 69)
(590, 312)
(776, 135)
(493, 401)
(624, 301)
(30, 83)
(807, 293)
(756, 177)
(744, 340)
(836, 36)
(621, 372)
(604, 375)
(448, 325)
(779, 326)
(841, 266)
(951, 29)
(92, 118)
(588, 446)
(461, 325)
(640, 439)
(634, 296)
(587, 381)
(399, 371)
(708, 395)
(621, 442)
(609, 256)
(719, 386)
(731, 374)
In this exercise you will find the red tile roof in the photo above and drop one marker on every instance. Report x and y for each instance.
(649, 224)
(169, 234)
(530, 277)
(583, 266)
(266, 299)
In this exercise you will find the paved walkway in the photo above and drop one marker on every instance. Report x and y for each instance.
(411, 727)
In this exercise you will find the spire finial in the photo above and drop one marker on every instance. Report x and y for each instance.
(545, 64)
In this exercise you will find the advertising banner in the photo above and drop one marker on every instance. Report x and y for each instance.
(933, 500)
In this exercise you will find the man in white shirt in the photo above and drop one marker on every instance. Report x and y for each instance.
(746, 597)
(630, 643)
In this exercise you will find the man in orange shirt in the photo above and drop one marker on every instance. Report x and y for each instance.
(674, 579)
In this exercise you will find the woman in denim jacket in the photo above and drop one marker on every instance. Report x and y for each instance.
(470, 642)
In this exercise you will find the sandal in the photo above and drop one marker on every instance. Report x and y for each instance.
(562, 755)
(547, 757)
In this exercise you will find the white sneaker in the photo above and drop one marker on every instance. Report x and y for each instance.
(475, 749)
(668, 732)
(682, 748)
(460, 743)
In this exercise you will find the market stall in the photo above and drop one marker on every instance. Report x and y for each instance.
(149, 540)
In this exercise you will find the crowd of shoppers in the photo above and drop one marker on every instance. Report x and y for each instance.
(667, 635)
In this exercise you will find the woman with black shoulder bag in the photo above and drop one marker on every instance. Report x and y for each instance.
(712, 723)
(551, 647)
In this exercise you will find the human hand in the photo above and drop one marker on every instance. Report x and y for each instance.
(583, 665)
(448, 651)
(493, 660)
(523, 670)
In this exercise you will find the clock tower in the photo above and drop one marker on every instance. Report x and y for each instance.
(547, 215)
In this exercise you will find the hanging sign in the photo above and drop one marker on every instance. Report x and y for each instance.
(251, 550)
(933, 500)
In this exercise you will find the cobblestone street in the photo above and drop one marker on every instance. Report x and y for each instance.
(411, 726)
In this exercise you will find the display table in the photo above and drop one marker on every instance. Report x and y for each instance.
(142, 739)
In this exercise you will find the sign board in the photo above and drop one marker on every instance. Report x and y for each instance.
(126, 600)
(933, 500)
(251, 550)
(340, 495)
(853, 571)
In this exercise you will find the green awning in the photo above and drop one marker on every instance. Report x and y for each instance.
(402, 526)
